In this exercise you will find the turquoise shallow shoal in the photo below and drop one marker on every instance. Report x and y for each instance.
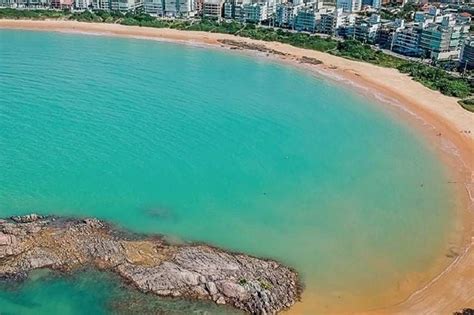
(213, 146)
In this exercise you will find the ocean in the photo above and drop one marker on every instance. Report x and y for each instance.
(214, 146)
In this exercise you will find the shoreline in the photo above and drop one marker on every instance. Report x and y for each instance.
(148, 263)
(447, 127)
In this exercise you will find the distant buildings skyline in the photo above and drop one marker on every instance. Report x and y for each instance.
(436, 32)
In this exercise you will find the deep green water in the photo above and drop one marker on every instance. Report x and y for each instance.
(212, 146)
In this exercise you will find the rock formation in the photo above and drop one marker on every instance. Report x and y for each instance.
(149, 263)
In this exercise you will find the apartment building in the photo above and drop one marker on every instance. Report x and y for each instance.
(365, 30)
(330, 21)
(285, 14)
(213, 9)
(254, 12)
(175, 8)
(154, 7)
(443, 41)
(305, 19)
(406, 41)
(229, 10)
(101, 4)
(125, 5)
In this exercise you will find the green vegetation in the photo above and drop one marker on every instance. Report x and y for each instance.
(434, 78)
(468, 104)
(31, 14)
(356, 50)
(437, 79)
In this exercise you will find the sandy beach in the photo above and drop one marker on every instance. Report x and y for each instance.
(446, 286)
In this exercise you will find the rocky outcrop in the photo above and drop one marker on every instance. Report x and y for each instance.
(309, 60)
(236, 44)
(152, 265)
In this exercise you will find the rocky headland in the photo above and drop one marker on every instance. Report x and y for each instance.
(149, 263)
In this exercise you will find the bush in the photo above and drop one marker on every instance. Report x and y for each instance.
(437, 79)
(468, 104)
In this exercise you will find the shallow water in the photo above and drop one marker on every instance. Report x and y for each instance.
(206, 145)
(91, 292)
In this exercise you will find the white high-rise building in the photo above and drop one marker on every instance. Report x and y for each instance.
(101, 5)
(255, 12)
(179, 8)
(82, 4)
(213, 8)
(154, 7)
(125, 5)
(186, 8)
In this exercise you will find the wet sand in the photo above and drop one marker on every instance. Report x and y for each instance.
(448, 284)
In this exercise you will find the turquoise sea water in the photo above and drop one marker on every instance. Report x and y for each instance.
(207, 145)
(92, 292)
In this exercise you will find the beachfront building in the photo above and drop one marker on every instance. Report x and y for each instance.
(171, 8)
(125, 5)
(233, 9)
(271, 7)
(349, 6)
(467, 54)
(285, 14)
(305, 19)
(443, 41)
(179, 8)
(440, 40)
(81, 5)
(30, 4)
(331, 20)
(14, 3)
(186, 8)
(61, 4)
(101, 5)
(154, 7)
(346, 29)
(213, 9)
(365, 30)
(229, 10)
(8, 3)
(307, 16)
(385, 37)
(238, 12)
(254, 12)
(406, 41)
(198, 6)
(386, 33)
